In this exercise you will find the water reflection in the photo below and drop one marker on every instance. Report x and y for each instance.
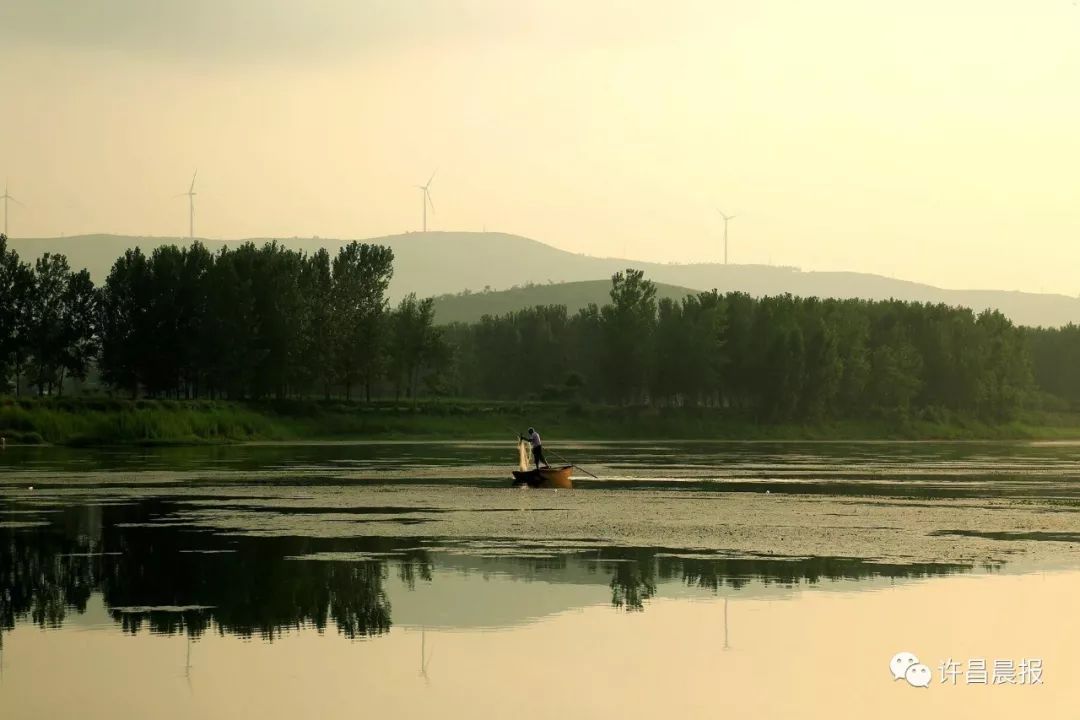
(170, 579)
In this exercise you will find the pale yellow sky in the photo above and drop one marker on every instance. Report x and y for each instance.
(933, 141)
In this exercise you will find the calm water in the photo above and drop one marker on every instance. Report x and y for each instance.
(294, 581)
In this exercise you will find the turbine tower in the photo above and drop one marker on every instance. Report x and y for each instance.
(6, 198)
(727, 219)
(191, 206)
(425, 198)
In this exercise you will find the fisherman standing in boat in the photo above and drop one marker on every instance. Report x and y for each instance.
(537, 448)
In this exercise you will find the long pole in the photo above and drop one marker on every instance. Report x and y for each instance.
(191, 216)
(560, 457)
(5, 210)
(423, 201)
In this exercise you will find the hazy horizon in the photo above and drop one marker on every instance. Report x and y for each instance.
(925, 142)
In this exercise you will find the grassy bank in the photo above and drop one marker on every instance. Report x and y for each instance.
(99, 421)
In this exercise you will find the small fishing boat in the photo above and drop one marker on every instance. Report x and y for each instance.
(546, 477)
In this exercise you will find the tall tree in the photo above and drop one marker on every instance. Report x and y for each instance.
(16, 281)
(361, 275)
(317, 343)
(896, 366)
(80, 326)
(228, 336)
(126, 332)
(278, 306)
(416, 346)
(1008, 378)
(47, 321)
(628, 324)
(824, 369)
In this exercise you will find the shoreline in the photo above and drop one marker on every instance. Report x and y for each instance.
(106, 422)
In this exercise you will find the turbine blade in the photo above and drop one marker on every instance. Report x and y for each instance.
(430, 201)
(192, 188)
(432, 177)
(9, 197)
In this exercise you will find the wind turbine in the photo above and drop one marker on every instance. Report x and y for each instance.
(425, 198)
(191, 206)
(727, 219)
(7, 196)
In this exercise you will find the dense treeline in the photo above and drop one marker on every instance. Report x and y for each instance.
(249, 322)
(1055, 354)
(268, 322)
(778, 359)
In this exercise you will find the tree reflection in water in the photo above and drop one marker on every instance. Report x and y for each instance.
(632, 584)
(150, 577)
(172, 579)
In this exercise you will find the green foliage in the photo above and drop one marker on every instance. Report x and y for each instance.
(497, 357)
(48, 322)
(247, 323)
(417, 350)
(627, 326)
(14, 291)
(265, 323)
(1055, 361)
(777, 359)
(361, 274)
(105, 421)
(124, 322)
(83, 421)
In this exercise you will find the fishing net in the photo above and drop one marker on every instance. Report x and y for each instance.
(523, 455)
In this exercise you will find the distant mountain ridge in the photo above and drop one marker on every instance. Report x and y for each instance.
(438, 263)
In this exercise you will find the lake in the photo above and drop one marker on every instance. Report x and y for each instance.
(695, 580)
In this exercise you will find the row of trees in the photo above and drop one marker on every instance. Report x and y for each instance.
(778, 358)
(258, 322)
(48, 321)
(249, 322)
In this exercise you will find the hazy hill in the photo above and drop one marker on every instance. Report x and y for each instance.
(471, 306)
(437, 263)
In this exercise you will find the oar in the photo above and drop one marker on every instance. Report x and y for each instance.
(560, 457)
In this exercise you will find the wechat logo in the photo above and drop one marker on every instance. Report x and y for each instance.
(906, 666)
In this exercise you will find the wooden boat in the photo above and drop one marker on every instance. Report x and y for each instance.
(547, 477)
